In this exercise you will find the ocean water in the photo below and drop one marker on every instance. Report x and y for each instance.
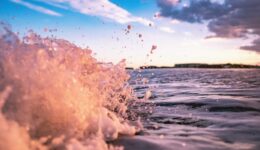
(197, 109)
(55, 95)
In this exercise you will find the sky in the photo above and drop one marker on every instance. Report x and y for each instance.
(146, 32)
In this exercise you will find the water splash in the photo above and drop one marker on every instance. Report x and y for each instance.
(55, 95)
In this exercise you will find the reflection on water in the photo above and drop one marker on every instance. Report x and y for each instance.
(200, 108)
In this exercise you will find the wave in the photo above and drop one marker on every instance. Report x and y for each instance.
(55, 95)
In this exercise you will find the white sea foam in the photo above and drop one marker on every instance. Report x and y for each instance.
(55, 95)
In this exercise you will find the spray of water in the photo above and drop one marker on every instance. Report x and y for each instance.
(55, 95)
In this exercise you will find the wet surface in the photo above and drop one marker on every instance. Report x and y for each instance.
(200, 108)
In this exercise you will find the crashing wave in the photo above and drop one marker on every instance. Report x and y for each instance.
(55, 95)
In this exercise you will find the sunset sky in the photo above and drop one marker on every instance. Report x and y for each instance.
(184, 31)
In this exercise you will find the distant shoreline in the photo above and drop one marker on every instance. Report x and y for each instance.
(200, 65)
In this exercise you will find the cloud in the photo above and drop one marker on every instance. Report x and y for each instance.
(103, 8)
(255, 46)
(175, 21)
(37, 8)
(226, 19)
(99, 8)
(167, 29)
(195, 11)
(50, 2)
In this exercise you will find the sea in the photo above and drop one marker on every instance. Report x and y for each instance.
(195, 109)
(55, 95)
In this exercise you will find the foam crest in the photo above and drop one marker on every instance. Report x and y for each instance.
(56, 95)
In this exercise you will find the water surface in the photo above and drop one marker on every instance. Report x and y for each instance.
(198, 109)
